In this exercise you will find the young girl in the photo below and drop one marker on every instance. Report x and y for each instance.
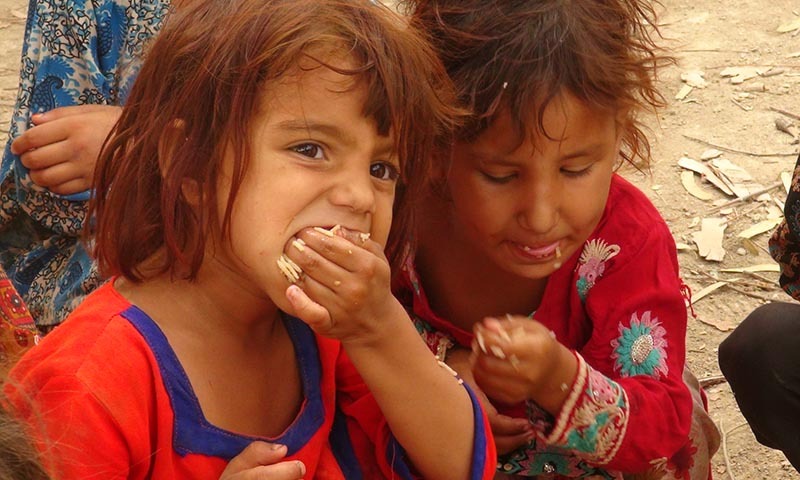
(79, 61)
(258, 134)
(561, 275)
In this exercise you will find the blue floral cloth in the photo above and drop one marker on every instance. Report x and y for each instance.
(75, 52)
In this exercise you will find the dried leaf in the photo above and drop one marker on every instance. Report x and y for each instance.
(790, 26)
(705, 171)
(709, 289)
(709, 239)
(762, 267)
(760, 227)
(688, 181)
(683, 247)
(750, 246)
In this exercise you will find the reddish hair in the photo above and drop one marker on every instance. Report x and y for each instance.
(520, 54)
(196, 96)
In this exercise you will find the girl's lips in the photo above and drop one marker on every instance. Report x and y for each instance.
(536, 253)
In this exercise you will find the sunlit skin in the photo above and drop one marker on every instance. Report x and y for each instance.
(513, 210)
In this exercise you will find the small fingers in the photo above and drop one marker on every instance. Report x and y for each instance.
(507, 444)
(509, 426)
(307, 310)
(256, 454)
(55, 175)
(38, 137)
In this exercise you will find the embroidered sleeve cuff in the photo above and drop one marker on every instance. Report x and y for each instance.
(593, 420)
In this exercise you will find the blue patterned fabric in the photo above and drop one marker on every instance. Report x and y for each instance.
(75, 52)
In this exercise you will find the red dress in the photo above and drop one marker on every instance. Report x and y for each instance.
(107, 398)
(619, 304)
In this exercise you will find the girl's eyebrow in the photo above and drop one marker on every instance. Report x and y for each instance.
(348, 141)
(327, 129)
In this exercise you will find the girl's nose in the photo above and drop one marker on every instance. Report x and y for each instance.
(539, 209)
(355, 192)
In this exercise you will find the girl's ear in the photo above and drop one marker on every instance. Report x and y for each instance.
(171, 141)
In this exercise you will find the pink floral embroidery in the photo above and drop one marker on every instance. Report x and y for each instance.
(593, 264)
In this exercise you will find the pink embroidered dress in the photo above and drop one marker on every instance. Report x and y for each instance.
(619, 304)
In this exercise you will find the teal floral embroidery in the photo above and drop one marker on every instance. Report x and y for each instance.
(585, 440)
(640, 348)
(592, 264)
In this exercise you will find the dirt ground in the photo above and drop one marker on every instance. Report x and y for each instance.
(738, 119)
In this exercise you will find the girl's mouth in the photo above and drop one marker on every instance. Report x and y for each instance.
(538, 253)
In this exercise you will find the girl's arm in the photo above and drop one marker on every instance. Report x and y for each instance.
(345, 295)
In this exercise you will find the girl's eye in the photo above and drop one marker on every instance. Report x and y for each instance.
(384, 171)
(310, 150)
(499, 179)
(577, 173)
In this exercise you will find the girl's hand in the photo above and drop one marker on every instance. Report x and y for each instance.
(518, 359)
(61, 150)
(344, 291)
(509, 433)
(260, 461)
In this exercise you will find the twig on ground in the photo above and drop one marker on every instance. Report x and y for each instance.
(750, 195)
(744, 152)
(712, 380)
(784, 112)
(737, 281)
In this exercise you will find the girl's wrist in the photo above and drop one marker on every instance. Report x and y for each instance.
(551, 393)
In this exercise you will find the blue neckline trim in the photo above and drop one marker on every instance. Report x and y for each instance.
(193, 434)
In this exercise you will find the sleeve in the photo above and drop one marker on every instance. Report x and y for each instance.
(629, 407)
(784, 244)
(75, 434)
(374, 447)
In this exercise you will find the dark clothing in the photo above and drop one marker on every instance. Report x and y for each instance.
(760, 360)
(761, 356)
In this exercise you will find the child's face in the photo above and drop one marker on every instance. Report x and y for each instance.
(316, 161)
(524, 204)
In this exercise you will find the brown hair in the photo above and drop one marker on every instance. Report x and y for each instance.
(519, 54)
(197, 93)
(18, 459)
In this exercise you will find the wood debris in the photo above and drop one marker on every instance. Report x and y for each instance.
(763, 267)
(705, 172)
(788, 128)
(683, 92)
(735, 177)
(786, 178)
(709, 238)
(740, 75)
(710, 154)
(694, 78)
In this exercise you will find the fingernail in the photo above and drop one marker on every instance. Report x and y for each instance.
(276, 446)
(301, 467)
